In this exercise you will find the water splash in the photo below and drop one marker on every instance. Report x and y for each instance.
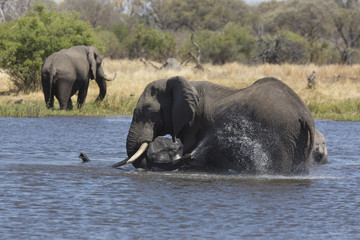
(209, 177)
(238, 138)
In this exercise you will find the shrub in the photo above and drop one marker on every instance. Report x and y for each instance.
(27, 41)
(284, 47)
(150, 43)
(112, 46)
(234, 43)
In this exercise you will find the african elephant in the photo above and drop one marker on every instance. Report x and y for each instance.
(319, 153)
(263, 129)
(68, 71)
(162, 154)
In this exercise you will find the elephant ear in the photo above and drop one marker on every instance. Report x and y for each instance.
(185, 101)
(92, 58)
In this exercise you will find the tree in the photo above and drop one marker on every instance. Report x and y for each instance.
(12, 9)
(150, 43)
(326, 25)
(96, 12)
(112, 45)
(346, 20)
(284, 47)
(234, 43)
(193, 15)
(308, 18)
(27, 41)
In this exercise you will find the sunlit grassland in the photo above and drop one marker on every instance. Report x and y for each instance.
(335, 96)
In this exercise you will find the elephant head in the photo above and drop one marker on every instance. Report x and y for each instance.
(165, 107)
(319, 152)
(96, 70)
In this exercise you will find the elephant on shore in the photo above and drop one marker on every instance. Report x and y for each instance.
(319, 153)
(262, 129)
(68, 71)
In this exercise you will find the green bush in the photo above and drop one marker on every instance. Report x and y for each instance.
(150, 43)
(112, 46)
(285, 46)
(234, 43)
(26, 42)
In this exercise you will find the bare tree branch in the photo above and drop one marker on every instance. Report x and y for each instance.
(148, 62)
(12, 9)
(311, 79)
(196, 58)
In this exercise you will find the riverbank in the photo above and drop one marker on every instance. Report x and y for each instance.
(336, 94)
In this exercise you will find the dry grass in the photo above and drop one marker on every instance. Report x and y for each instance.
(334, 83)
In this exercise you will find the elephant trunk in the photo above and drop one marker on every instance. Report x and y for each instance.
(101, 75)
(138, 139)
(102, 86)
(110, 79)
(101, 81)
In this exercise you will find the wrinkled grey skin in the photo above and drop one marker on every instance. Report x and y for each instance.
(164, 154)
(68, 71)
(319, 153)
(264, 128)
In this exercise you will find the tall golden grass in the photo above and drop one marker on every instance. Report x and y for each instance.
(334, 83)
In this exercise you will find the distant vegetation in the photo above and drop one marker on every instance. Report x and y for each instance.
(239, 44)
(288, 31)
(336, 94)
(26, 42)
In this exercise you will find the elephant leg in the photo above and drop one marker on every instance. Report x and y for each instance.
(82, 96)
(69, 104)
(49, 96)
(63, 103)
(51, 101)
(63, 94)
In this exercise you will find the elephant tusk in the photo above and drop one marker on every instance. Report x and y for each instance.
(108, 79)
(141, 150)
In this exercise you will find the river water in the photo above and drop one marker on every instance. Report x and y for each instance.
(47, 193)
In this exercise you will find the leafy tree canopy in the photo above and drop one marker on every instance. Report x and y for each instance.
(27, 41)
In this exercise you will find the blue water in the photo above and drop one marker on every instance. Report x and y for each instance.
(47, 193)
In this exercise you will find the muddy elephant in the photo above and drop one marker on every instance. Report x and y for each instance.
(68, 71)
(262, 129)
(319, 153)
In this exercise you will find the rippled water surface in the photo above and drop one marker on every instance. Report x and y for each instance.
(47, 193)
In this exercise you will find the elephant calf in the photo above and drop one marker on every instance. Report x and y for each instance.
(319, 153)
(68, 71)
(162, 154)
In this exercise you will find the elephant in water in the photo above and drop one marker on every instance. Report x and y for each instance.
(263, 129)
(162, 154)
(68, 71)
(319, 153)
